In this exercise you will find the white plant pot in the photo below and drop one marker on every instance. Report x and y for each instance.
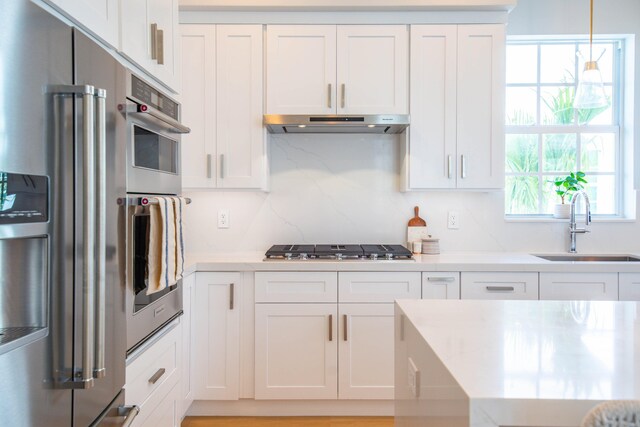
(562, 210)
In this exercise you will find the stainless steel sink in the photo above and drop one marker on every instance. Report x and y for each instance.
(589, 258)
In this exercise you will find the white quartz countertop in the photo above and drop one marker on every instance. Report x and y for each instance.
(454, 261)
(527, 362)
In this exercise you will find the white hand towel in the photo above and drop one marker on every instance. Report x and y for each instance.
(162, 246)
(179, 205)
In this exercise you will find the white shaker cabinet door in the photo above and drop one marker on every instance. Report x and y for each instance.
(499, 285)
(579, 286)
(480, 106)
(216, 336)
(99, 17)
(372, 73)
(240, 138)
(301, 69)
(366, 351)
(629, 287)
(198, 106)
(432, 135)
(296, 351)
(441, 285)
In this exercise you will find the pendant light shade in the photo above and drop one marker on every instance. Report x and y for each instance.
(590, 92)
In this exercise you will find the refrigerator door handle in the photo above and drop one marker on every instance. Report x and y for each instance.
(129, 413)
(101, 207)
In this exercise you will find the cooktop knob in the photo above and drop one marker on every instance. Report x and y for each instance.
(373, 256)
(388, 256)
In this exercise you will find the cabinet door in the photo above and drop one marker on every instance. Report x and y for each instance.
(301, 69)
(198, 109)
(432, 135)
(187, 324)
(629, 287)
(240, 133)
(365, 353)
(377, 287)
(217, 343)
(99, 17)
(579, 286)
(373, 69)
(441, 285)
(480, 106)
(164, 13)
(499, 285)
(135, 32)
(296, 351)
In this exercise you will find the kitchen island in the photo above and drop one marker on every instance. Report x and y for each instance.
(512, 363)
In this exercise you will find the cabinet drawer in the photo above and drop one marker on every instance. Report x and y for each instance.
(499, 285)
(313, 286)
(154, 372)
(441, 285)
(164, 414)
(579, 286)
(377, 287)
(629, 287)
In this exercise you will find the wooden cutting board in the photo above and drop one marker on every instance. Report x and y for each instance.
(417, 228)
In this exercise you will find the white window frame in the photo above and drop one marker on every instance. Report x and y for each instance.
(618, 91)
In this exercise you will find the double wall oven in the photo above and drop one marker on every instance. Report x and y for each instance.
(153, 169)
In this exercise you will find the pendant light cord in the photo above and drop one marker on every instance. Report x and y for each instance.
(591, 33)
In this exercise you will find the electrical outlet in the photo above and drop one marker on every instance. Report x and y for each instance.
(223, 218)
(454, 220)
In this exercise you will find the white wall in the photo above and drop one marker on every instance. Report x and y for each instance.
(344, 189)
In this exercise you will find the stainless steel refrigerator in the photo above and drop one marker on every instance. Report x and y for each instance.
(62, 321)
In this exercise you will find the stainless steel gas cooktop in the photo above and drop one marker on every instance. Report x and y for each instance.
(338, 252)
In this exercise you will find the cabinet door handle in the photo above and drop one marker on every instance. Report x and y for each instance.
(155, 377)
(331, 327)
(221, 166)
(209, 166)
(154, 41)
(440, 279)
(344, 326)
(330, 95)
(160, 46)
(449, 166)
(231, 295)
(463, 164)
(344, 92)
(500, 288)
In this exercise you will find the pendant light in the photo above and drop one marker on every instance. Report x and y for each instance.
(590, 92)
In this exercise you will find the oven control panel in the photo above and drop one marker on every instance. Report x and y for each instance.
(149, 95)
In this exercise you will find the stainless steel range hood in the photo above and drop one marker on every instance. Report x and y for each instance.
(375, 124)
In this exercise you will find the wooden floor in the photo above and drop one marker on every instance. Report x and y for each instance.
(288, 422)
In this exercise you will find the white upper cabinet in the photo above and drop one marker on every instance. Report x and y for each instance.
(344, 69)
(456, 138)
(99, 17)
(372, 69)
(222, 98)
(148, 37)
(301, 69)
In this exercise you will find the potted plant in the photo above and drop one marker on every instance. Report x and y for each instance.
(565, 187)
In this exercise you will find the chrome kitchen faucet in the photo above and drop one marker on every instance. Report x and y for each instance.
(573, 230)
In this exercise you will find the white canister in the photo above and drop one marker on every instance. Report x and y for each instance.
(416, 246)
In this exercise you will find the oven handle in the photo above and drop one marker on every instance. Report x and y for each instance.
(143, 109)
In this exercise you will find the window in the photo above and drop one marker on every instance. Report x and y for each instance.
(547, 138)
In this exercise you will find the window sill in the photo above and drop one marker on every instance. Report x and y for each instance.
(579, 219)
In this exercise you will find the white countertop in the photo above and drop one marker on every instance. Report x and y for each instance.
(533, 362)
(454, 261)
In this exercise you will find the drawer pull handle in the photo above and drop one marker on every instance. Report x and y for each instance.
(440, 279)
(159, 373)
(501, 288)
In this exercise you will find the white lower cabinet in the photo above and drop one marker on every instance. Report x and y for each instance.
(441, 285)
(629, 287)
(499, 285)
(579, 286)
(216, 344)
(327, 335)
(186, 379)
(153, 379)
(296, 347)
(365, 351)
